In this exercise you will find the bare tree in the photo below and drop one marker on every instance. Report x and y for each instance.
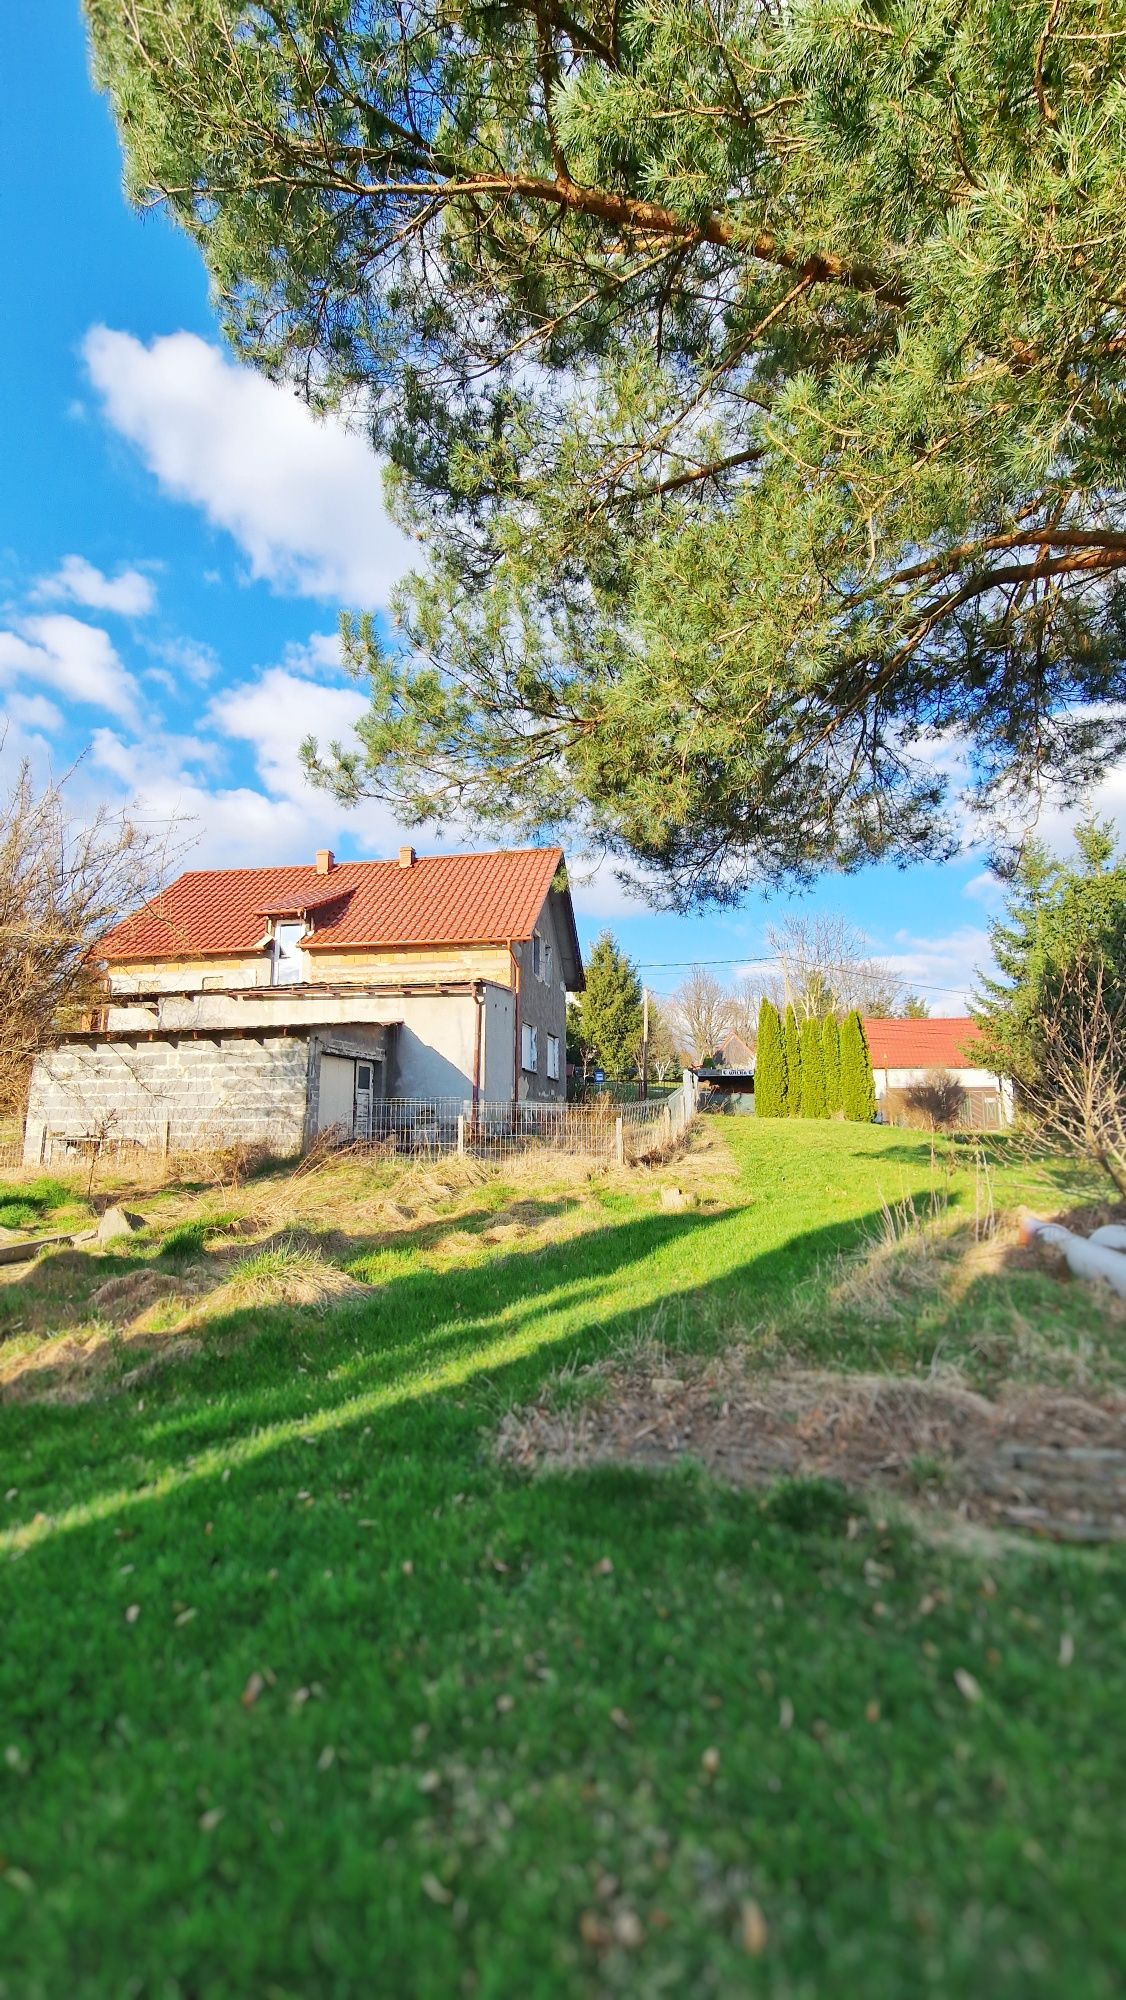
(745, 999)
(700, 1014)
(62, 885)
(826, 967)
(1079, 1096)
(664, 1052)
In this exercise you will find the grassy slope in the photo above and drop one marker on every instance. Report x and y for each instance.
(479, 1751)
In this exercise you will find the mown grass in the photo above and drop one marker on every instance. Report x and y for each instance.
(303, 1695)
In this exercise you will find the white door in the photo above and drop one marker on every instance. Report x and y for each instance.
(287, 969)
(336, 1103)
(365, 1077)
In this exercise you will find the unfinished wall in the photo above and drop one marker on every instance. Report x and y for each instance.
(497, 1029)
(432, 1051)
(543, 1005)
(171, 1092)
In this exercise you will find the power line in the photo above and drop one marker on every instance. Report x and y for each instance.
(768, 964)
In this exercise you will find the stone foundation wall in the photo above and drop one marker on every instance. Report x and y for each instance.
(172, 1093)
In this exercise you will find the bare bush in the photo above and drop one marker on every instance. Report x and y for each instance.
(938, 1102)
(63, 883)
(1078, 1098)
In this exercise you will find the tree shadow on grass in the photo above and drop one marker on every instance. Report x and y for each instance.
(273, 1379)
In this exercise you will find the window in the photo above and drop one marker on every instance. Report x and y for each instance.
(547, 964)
(287, 968)
(537, 955)
(553, 1057)
(529, 1051)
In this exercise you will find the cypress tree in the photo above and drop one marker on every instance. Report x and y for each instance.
(792, 1045)
(831, 1055)
(812, 1070)
(770, 1064)
(858, 1085)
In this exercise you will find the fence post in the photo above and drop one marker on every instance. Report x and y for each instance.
(461, 1132)
(620, 1141)
(165, 1138)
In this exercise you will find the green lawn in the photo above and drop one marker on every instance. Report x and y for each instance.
(302, 1696)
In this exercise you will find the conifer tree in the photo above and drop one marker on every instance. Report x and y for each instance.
(831, 1056)
(610, 1011)
(812, 1070)
(858, 1085)
(1062, 919)
(770, 1064)
(769, 349)
(791, 1042)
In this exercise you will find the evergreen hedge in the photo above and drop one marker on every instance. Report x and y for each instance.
(831, 1056)
(858, 1085)
(792, 1046)
(812, 1070)
(770, 1064)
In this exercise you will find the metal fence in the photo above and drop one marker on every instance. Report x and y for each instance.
(600, 1131)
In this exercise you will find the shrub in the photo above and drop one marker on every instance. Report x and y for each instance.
(937, 1102)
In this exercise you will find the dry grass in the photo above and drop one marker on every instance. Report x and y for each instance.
(1035, 1458)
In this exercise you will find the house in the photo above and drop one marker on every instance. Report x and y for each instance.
(908, 1053)
(735, 1053)
(269, 1004)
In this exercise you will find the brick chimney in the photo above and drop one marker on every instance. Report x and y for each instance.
(406, 857)
(326, 861)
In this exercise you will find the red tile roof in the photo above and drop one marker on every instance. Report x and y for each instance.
(442, 899)
(945, 1043)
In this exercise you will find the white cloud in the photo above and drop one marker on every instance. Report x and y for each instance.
(32, 711)
(275, 713)
(300, 495)
(130, 592)
(986, 889)
(76, 659)
(942, 969)
(193, 657)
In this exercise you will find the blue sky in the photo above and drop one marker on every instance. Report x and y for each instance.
(177, 537)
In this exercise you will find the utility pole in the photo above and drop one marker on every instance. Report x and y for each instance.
(643, 1084)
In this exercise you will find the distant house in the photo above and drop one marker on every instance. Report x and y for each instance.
(908, 1053)
(270, 1004)
(735, 1053)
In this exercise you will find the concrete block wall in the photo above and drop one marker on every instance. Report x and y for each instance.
(175, 1092)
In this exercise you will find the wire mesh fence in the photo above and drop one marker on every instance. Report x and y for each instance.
(602, 1130)
(413, 1126)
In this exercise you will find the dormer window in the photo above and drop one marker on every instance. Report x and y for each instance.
(286, 968)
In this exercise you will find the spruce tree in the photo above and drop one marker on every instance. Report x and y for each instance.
(812, 1070)
(1064, 922)
(858, 1085)
(831, 1055)
(770, 1064)
(791, 1043)
(610, 1011)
